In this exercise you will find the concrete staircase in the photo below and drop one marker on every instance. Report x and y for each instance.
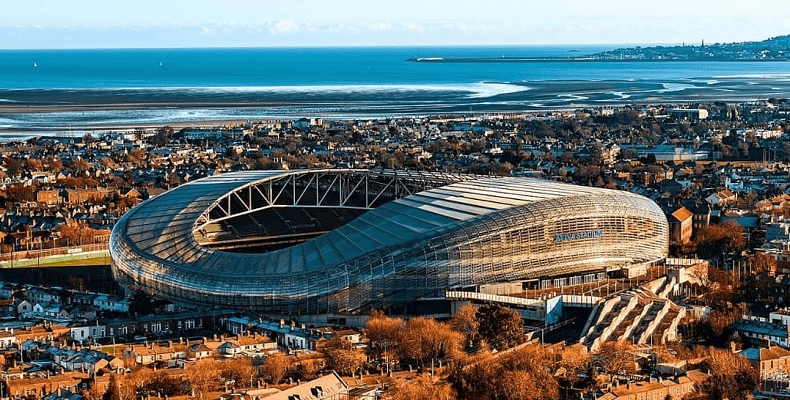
(642, 316)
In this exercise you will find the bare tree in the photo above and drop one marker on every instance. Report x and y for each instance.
(616, 358)
(203, 376)
(240, 371)
(422, 387)
(342, 357)
(276, 366)
(425, 339)
(384, 334)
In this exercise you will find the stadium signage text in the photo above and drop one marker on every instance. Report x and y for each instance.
(578, 235)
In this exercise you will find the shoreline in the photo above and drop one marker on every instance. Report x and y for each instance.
(31, 112)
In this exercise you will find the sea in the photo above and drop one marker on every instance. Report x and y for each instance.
(60, 92)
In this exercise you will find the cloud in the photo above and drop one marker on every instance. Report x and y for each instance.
(413, 27)
(378, 26)
(206, 31)
(284, 26)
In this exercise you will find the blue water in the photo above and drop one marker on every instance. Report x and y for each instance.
(159, 86)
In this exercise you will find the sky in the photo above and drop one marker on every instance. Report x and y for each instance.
(45, 24)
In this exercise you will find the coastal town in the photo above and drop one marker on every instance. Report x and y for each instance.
(709, 323)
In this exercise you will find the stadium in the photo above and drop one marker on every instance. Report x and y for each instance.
(349, 241)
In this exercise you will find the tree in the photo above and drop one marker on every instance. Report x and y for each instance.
(500, 326)
(92, 393)
(203, 376)
(276, 367)
(240, 371)
(476, 377)
(530, 363)
(113, 392)
(342, 357)
(519, 385)
(523, 374)
(422, 387)
(13, 166)
(465, 322)
(615, 358)
(575, 362)
(762, 262)
(162, 384)
(715, 240)
(384, 334)
(731, 376)
(76, 233)
(308, 368)
(426, 339)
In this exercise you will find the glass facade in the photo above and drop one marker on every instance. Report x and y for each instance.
(442, 232)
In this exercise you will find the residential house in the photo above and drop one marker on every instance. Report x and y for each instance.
(769, 361)
(701, 213)
(112, 303)
(48, 197)
(681, 222)
(7, 308)
(81, 196)
(680, 226)
(84, 333)
(42, 295)
(348, 335)
(41, 386)
(677, 388)
(86, 360)
(196, 351)
(63, 394)
(327, 387)
(251, 343)
(721, 198)
(7, 338)
(762, 331)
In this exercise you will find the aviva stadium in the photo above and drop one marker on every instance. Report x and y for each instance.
(349, 241)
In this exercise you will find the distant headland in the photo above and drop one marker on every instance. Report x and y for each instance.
(773, 49)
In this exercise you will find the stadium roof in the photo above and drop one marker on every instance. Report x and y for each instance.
(162, 228)
(443, 225)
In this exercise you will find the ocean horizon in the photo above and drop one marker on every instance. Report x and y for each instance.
(54, 91)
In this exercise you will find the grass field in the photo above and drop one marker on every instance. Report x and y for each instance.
(83, 259)
(98, 260)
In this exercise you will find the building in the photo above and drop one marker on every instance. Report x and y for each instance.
(680, 226)
(349, 241)
(327, 387)
(772, 360)
(690, 114)
(763, 331)
(676, 388)
(48, 197)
